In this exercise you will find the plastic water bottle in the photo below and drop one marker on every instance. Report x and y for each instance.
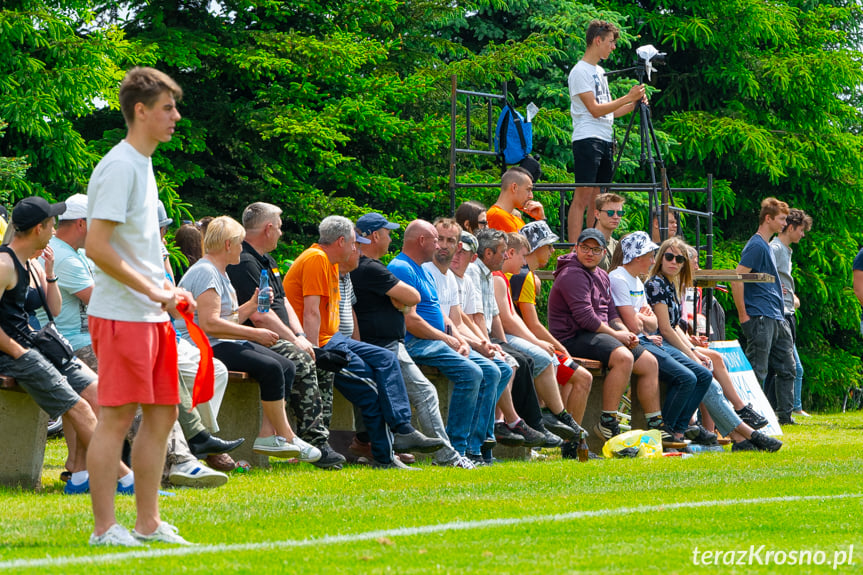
(695, 449)
(264, 292)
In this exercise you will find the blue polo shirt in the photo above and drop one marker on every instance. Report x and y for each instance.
(415, 276)
(762, 299)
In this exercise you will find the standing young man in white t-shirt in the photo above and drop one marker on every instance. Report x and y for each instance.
(129, 323)
(593, 113)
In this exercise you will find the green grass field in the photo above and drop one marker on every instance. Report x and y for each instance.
(621, 516)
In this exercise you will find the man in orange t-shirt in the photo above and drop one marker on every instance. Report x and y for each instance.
(312, 288)
(516, 196)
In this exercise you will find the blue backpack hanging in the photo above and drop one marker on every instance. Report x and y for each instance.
(513, 137)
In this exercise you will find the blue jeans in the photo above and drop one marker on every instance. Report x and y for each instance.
(498, 373)
(686, 383)
(473, 389)
(378, 398)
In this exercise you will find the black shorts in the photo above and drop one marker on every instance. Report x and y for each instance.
(593, 159)
(598, 346)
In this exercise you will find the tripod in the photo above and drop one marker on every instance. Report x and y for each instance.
(650, 154)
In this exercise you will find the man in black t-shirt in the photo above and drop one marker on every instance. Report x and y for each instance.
(382, 300)
(311, 397)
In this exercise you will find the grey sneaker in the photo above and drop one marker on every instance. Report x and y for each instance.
(276, 446)
(115, 536)
(193, 474)
(164, 533)
(330, 458)
(532, 437)
(308, 453)
(416, 441)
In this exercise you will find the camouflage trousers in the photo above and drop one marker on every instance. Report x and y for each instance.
(311, 399)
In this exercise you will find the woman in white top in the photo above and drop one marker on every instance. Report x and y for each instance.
(241, 347)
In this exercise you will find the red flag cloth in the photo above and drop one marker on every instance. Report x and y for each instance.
(202, 391)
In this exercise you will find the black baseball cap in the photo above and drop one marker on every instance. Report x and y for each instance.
(593, 234)
(33, 210)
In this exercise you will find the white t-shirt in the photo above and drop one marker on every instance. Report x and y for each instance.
(466, 293)
(122, 189)
(627, 289)
(446, 286)
(583, 78)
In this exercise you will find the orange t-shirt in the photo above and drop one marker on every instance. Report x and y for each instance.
(500, 219)
(313, 274)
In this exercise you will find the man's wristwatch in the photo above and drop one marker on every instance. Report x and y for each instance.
(300, 334)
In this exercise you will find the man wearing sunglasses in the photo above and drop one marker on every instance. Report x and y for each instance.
(609, 213)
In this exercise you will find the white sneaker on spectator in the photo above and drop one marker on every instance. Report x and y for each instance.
(193, 474)
(308, 453)
(164, 533)
(115, 536)
(276, 446)
(460, 462)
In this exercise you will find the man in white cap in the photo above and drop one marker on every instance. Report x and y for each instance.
(687, 380)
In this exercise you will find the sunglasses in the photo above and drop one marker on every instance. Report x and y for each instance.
(610, 213)
(669, 257)
(482, 223)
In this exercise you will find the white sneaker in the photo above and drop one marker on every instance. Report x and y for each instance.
(115, 536)
(276, 446)
(462, 462)
(193, 474)
(164, 533)
(308, 452)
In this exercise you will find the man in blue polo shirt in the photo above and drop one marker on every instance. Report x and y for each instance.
(769, 344)
(431, 340)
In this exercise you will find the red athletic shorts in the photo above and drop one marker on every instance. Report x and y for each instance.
(137, 362)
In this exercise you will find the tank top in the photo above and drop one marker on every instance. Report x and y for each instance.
(13, 316)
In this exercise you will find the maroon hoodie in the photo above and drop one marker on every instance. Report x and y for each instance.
(580, 299)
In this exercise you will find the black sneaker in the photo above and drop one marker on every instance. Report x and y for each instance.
(744, 445)
(488, 444)
(786, 420)
(607, 427)
(697, 434)
(569, 420)
(751, 417)
(477, 460)
(558, 427)
(330, 458)
(764, 442)
(505, 436)
(668, 439)
(486, 453)
(532, 437)
(569, 450)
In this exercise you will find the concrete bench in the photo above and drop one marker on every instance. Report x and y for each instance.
(240, 414)
(24, 429)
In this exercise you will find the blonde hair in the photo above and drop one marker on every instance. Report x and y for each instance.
(683, 279)
(219, 231)
(517, 241)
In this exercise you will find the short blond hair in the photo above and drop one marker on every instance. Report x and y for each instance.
(220, 230)
(516, 241)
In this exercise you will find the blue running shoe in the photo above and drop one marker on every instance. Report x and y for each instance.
(131, 490)
(77, 488)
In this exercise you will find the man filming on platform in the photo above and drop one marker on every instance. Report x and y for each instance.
(593, 112)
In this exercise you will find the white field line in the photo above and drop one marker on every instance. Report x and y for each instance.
(53, 562)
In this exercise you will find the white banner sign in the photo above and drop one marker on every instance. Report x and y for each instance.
(745, 382)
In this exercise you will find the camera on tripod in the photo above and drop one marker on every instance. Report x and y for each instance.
(647, 56)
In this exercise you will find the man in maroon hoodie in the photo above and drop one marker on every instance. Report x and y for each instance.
(583, 317)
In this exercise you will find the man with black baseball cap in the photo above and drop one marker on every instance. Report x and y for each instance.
(57, 391)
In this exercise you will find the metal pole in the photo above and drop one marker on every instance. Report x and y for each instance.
(452, 146)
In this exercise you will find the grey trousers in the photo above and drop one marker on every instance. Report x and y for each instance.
(769, 346)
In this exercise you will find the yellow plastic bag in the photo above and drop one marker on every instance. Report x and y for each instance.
(648, 443)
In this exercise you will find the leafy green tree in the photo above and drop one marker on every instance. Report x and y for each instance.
(55, 67)
(763, 95)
